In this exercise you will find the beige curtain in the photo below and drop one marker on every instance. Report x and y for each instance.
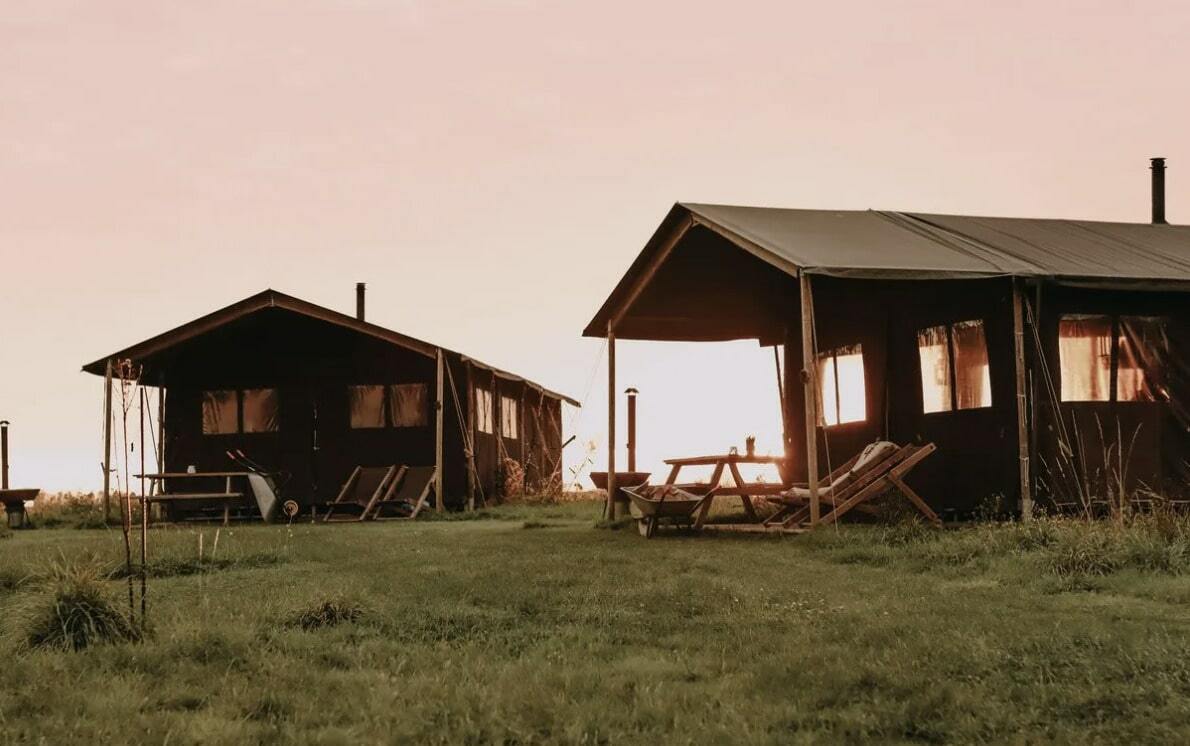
(1084, 352)
(972, 376)
(260, 410)
(367, 406)
(409, 405)
(219, 413)
(935, 369)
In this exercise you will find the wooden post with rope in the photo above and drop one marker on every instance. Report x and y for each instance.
(439, 422)
(107, 442)
(471, 475)
(809, 376)
(1022, 428)
(610, 511)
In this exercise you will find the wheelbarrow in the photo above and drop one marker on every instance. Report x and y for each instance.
(653, 505)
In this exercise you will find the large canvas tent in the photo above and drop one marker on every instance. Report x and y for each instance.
(314, 393)
(1045, 358)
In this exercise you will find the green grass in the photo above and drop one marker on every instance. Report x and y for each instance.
(478, 631)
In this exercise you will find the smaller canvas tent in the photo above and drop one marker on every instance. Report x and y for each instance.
(315, 393)
(1045, 358)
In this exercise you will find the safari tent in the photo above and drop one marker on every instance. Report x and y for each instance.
(1047, 359)
(314, 393)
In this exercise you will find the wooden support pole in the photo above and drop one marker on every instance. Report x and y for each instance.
(439, 429)
(107, 442)
(160, 433)
(470, 439)
(1022, 426)
(809, 379)
(610, 512)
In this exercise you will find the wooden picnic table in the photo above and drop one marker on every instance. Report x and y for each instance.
(225, 498)
(741, 489)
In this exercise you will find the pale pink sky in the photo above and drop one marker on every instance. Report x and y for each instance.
(496, 166)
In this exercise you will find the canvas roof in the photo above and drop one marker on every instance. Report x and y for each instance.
(269, 300)
(903, 245)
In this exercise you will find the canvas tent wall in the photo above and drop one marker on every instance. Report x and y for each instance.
(881, 280)
(311, 392)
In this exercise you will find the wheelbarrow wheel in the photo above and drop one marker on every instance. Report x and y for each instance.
(646, 526)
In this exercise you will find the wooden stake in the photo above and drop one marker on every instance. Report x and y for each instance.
(610, 511)
(809, 378)
(439, 411)
(107, 443)
(1022, 428)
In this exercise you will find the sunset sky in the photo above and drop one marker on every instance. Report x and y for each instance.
(491, 169)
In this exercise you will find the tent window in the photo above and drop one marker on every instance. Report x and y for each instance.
(367, 406)
(259, 410)
(954, 367)
(483, 410)
(409, 405)
(508, 414)
(219, 413)
(1094, 351)
(842, 397)
(229, 411)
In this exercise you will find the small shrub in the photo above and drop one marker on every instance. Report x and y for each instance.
(328, 613)
(1085, 552)
(74, 612)
(536, 524)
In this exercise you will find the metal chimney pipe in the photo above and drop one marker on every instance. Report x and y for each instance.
(360, 289)
(3, 454)
(1158, 168)
(631, 428)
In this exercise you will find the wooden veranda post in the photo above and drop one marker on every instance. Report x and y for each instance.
(1022, 426)
(107, 442)
(610, 511)
(809, 374)
(439, 410)
(470, 439)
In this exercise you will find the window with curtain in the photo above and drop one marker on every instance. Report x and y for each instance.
(259, 408)
(508, 417)
(483, 411)
(954, 367)
(1095, 349)
(409, 405)
(231, 411)
(220, 412)
(842, 397)
(367, 406)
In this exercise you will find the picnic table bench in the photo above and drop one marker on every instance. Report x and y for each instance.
(225, 499)
(741, 488)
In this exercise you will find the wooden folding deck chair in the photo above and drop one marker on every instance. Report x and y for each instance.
(408, 496)
(366, 486)
(880, 467)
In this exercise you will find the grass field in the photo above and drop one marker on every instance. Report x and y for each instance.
(530, 625)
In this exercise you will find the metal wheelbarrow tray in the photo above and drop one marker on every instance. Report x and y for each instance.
(654, 504)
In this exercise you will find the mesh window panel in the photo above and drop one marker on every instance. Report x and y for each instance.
(828, 402)
(1084, 351)
(219, 413)
(260, 410)
(853, 395)
(483, 410)
(1144, 350)
(508, 412)
(367, 406)
(409, 405)
(935, 369)
(972, 376)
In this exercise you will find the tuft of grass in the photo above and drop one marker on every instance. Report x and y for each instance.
(616, 525)
(73, 611)
(330, 612)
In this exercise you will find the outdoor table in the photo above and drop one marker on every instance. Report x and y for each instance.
(741, 489)
(226, 498)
